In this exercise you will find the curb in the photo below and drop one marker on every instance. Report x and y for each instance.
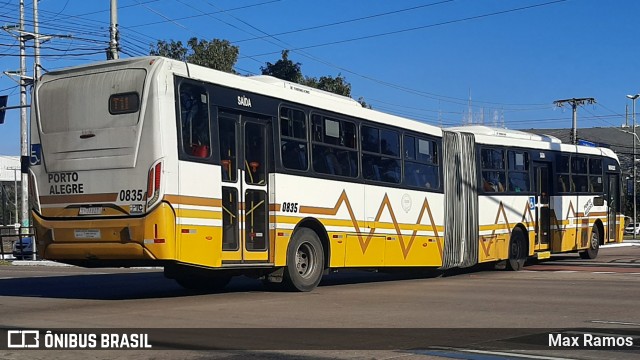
(37, 263)
(624, 244)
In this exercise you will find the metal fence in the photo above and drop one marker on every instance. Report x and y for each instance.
(9, 235)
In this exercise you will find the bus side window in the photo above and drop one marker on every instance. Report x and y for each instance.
(195, 121)
(228, 158)
(293, 138)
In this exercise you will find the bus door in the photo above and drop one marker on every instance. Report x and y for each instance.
(613, 205)
(245, 208)
(542, 215)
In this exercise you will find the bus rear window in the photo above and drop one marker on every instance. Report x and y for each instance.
(78, 101)
(124, 103)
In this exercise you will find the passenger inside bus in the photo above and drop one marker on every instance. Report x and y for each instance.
(491, 182)
(333, 165)
(294, 155)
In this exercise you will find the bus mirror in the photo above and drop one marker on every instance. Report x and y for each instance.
(598, 201)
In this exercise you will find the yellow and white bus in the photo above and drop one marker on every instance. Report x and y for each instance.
(151, 161)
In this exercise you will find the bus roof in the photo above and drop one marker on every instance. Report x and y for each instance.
(506, 133)
(301, 94)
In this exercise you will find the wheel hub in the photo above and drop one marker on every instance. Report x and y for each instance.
(304, 259)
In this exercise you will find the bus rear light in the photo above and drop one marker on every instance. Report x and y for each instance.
(158, 173)
(150, 182)
(153, 183)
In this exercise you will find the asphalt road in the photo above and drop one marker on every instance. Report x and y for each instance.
(499, 313)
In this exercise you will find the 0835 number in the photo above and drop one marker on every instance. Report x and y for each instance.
(131, 195)
(290, 207)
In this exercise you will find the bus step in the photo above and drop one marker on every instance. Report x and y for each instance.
(543, 255)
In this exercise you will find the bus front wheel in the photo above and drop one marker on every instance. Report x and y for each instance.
(517, 250)
(594, 245)
(305, 261)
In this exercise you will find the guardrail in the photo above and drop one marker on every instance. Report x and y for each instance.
(12, 234)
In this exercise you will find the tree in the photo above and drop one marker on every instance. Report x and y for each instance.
(173, 50)
(338, 85)
(216, 54)
(288, 70)
(284, 69)
(363, 103)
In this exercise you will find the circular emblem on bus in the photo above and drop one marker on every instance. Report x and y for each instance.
(406, 203)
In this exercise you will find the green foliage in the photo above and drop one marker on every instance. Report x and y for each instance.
(7, 205)
(284, 69)
(221, 55)
(173, 50)
(216, 54)
(288, 70)
(338, 85)
(363, 103)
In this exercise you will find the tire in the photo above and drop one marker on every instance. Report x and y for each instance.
(202, 283)
(517, 250)
(594, 245)
(305, 261)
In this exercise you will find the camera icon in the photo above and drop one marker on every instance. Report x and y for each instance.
(23, 339)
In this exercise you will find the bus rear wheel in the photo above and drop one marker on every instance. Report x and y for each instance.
(517, 250)
(594, 245)
(305, 261)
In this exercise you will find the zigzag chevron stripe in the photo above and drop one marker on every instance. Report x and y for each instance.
(364, 241)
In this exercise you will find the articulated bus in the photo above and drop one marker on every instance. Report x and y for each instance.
(155, 162)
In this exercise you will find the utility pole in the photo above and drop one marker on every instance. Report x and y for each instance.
(633, 99)
(626, 115)
(574, 105)
(36, 40)
(112, 53)
(24, 150)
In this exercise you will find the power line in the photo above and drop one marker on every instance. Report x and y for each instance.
(454, 100)
(204, 14)
(344, 21)
(418, 27)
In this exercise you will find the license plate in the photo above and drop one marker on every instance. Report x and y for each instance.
(94, 210)
(87, 234)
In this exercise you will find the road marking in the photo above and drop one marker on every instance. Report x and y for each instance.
(614, 322)
(575, 268)
(486, 353)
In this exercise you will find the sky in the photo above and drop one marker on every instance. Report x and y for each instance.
(444, 62)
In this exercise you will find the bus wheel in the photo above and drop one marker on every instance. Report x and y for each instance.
(517, 250)
(594, 245)
(203, 283)
(305, 261)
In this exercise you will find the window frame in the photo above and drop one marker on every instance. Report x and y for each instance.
(183, 154)
(486, 186)
(287, 138)
(527, 170)
(332, 150)
(379, 172)
(434, 162)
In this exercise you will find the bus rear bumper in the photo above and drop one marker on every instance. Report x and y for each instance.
(147, 238)
(91, 251)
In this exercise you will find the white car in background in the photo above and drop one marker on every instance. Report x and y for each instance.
(628, 230)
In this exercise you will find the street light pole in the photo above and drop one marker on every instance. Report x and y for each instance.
(633, 113)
